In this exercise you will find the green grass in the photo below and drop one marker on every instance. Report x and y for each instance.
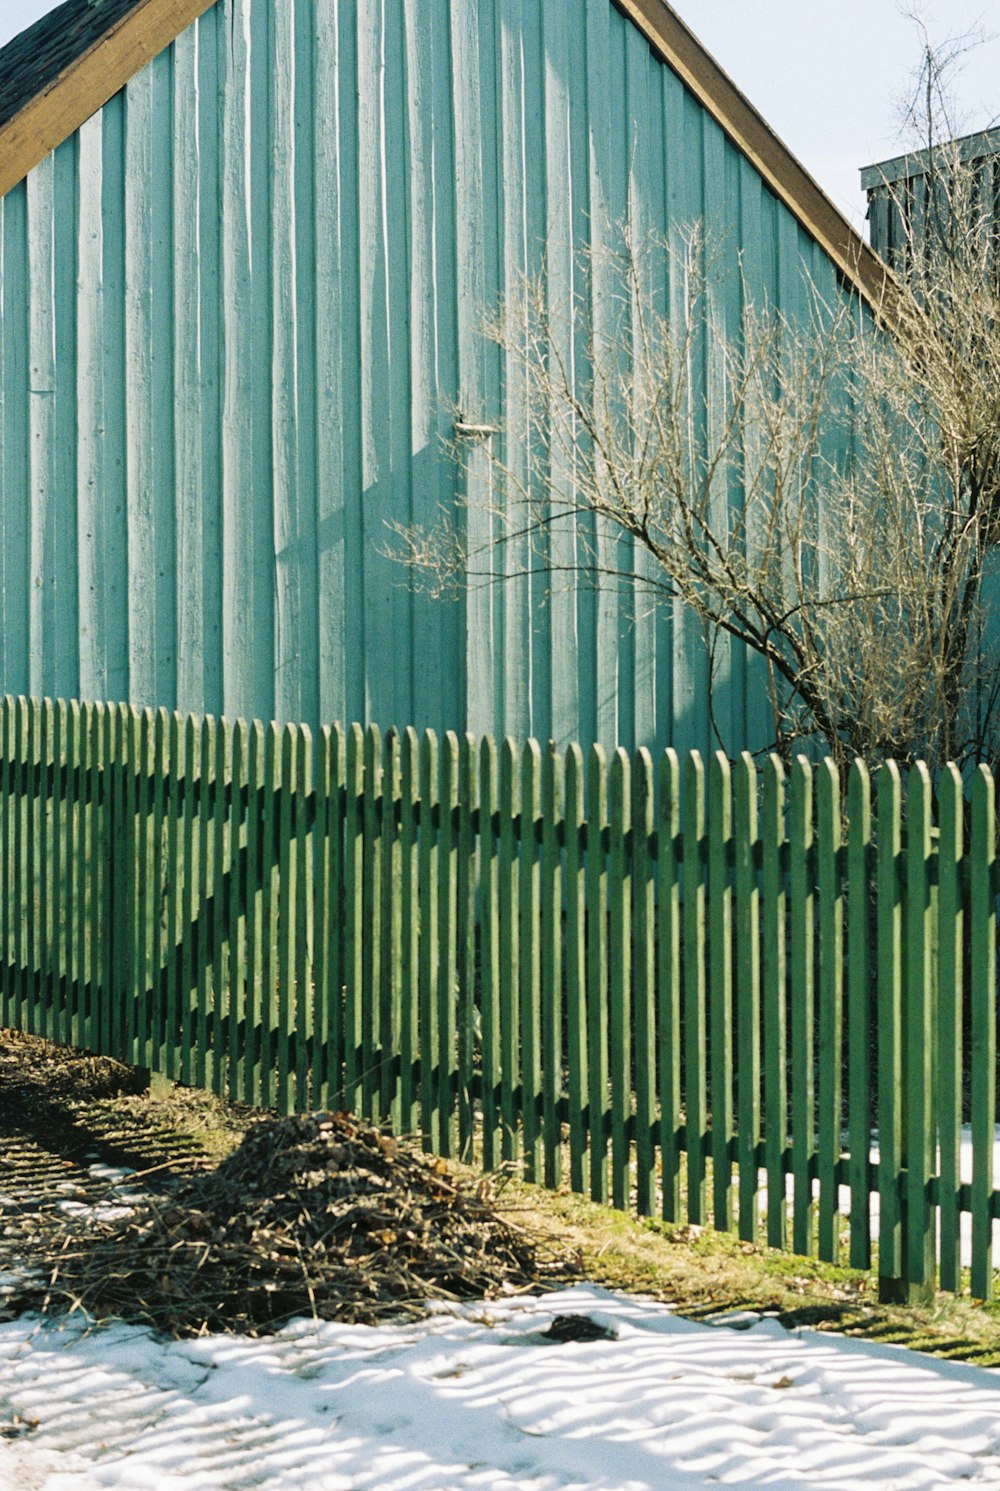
(706, 1274)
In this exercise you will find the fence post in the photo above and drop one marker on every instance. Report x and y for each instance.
(447, 987)
(694, 985)
(510, 797)
(597, 971)
(370, 1035)
(489, 951)
(530, 960)
(984, 1015)
(801, 897)
(669, 982)
(392, 929)
(468, 888)
(773, 999)
(237, 1037)
(552, 964)
(831, 994)
(644, 982)
(919, 1038)
(859, 1104)
(949, 1016)
(430, 1074)
(747, 989)
(576, 968)
(891, 1265)
(720, 897)
(620, 976)
(409, 1045)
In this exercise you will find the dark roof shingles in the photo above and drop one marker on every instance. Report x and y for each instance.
(33, 61)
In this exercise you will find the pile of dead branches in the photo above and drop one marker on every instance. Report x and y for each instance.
(319, 1215)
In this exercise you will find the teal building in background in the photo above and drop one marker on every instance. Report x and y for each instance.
(245, 252)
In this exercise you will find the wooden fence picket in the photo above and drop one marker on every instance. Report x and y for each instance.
(831, 996)
(202, 930)
(802, 1001)
(552, 964)
(668, 984)
(19, 880)
(466, 1012)
(445, 1054)
(489, 959)
(720, 911)
(919, 1035)
(529, 958)
(696, 1127)
(859, 939)
(576, 969)
(369, 1033)
(390, 994)
(890, 1028)
(62, 815)
(620, 977)
(286, 902)
(223, 867)
(144, 903)
(237, 1043)
(510, 1008)
(174, 935)
(773, 998)
(748, 1028)
(43, 870)
(253, 1058)
(643, 934)
(409, 952)
(951, 984)
(597, 972)
(518, 952)
(271, 845)
(8, 803)
(354, 923)
(334, 1013)
(430, 1072)
(983, 1042)
(73, 872)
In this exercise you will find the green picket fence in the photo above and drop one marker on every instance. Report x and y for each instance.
(698, 998)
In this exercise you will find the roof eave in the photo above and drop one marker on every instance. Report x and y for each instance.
(787, 177)
(127, 46)
(981, 145)
(89, 82)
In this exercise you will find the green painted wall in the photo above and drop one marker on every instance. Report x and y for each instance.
(235, 311)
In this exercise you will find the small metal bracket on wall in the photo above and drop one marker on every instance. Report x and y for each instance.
(467, 431)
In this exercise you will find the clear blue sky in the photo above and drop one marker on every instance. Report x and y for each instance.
(826, 74)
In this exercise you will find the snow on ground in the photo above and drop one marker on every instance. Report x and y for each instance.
(477, 1397)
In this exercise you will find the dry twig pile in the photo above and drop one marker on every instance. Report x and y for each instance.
(319, 1215)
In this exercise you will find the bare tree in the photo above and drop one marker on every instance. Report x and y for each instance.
(828, 494)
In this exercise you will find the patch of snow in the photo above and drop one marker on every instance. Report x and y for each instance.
(476, 1398)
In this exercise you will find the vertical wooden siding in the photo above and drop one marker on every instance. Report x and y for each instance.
(237, 311)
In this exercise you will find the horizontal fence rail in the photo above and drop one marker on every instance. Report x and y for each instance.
(757, 996)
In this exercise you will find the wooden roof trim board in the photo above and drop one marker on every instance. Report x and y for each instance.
(671, 40)
(86, 83)
(982, 145)
(120, 52)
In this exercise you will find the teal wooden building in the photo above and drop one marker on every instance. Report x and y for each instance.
(245, 248)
